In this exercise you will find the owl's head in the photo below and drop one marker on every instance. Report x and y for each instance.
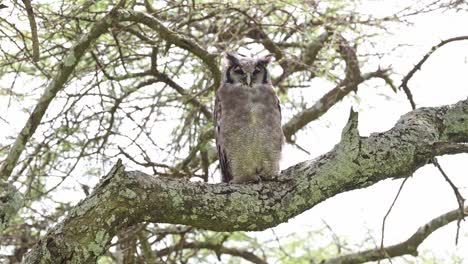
(245, 70)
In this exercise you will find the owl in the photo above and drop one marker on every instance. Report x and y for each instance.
(247, 121)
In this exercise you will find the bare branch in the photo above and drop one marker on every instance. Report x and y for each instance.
(32, 23)
(335, 95)
(460, 199)
(352, 80)
(190, 99)
(408, 247)
(389, 210)
(177, 39)
(405, 80)
(219, 249)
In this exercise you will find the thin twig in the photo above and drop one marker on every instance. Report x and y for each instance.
(460, 199)
(301, 148)
(408, 246)
(279, 244)
(388, 213)
(405, 80)
(335, 237)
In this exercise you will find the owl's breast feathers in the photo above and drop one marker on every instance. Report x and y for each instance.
(250, 105)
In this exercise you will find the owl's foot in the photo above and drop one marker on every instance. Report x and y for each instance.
(267, 178)
(259, 179)
(255, 179)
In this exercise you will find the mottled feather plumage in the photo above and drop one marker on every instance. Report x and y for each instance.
(247, 121)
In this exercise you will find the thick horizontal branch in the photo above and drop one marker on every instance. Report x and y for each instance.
(407, 247)
(124, 199)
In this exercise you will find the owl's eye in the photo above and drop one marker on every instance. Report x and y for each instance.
(238, 70)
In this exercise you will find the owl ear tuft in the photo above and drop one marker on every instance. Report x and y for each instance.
(266, 59)
(231, 57)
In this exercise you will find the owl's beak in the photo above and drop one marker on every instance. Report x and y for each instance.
(249, 79)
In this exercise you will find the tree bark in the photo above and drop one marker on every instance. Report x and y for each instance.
(125, 198)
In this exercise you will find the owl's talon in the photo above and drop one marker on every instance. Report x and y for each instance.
(259, 179)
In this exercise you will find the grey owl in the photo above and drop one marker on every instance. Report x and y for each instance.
(247, 121)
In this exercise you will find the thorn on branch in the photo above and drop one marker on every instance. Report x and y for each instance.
(350, 131)
(104, 181)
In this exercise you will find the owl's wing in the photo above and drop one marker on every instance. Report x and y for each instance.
(278, 104)
(279, 107)
(223, 160)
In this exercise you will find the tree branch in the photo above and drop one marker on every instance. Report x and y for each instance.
(32, 23)
(405, 80)
(219, 249)
(335, 95)
(124, 198)
(177, 39)
(352, 80)
(407, 247)
(187, 97)
(74, 55)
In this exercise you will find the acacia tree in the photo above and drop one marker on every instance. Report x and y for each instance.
(126, 90)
